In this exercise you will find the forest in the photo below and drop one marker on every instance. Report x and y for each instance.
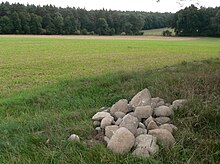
(30, 19)
(50, 20)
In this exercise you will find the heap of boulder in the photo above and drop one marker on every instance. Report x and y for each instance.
(137, 126)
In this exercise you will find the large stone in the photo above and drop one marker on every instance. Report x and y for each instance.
(169, 127)
(152, 125)
(119, 114)
(106, 121)
(164, 136)
(100, 115)
(163, 111)
(141, 152)
(110, 130)
(141, 131)
(147, 121)
(141, 125)
(118, 122)
(130, 122)
(74, 138)
(147, 141)
(162, 120)
(154, 102)
(122, 141)
(143, 112)
(96, 123)
(120, 106)
(178, 103)
(143, 98)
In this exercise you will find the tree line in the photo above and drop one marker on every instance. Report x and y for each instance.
(30, 19)
(192, 21)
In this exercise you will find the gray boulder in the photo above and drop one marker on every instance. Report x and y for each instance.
(119, 114)
(147, 121)
(118, 122)
(143, 112)
(100, 115)
(152, 125)
(170, 127)
(120, 106)
(106, 121)
(163, 111)
(142, 98)
(164, 136)
(122, 141)
(96, 123)
(141, 131)
(74, 138)
(130, 122)
(162, 120)
(141, 152)
(110, 130)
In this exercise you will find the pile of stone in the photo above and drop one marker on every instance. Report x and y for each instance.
(137, 126)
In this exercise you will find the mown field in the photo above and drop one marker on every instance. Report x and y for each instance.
(157, 32)
(51, 87)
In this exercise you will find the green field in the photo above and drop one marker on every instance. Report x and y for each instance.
(51, 87)
(157, 32)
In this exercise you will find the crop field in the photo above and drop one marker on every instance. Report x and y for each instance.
(157, 32)
(51, 86)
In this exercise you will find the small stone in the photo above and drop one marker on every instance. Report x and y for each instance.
(141, 131)
(106, 121)
(142, 98)
(122, 141)
(104, 109)
(141, 152)
(98, 129)
(120, 106)
(169, 127)
(119, 114)
(74, 138)
(141, 125)
(106, 139)
(178, 103)
(143, 112)
(96, 123)
(154, 102)
(160, 103)
(162, 120)
(152, 125)
(132, 113)
(164, 136)
(147, 141)
(147, 121)
(163, 111)
(110, 130)
(130, 122)
(118, 122)
(100, 115)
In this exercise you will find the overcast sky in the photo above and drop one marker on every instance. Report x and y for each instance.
(131, 5)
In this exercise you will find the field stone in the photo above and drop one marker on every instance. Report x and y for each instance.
(122, 141)
(143, 112)
(118, 122)
(162, 120)
(141, 152)
(147, 141)
(110, 130)
(148, 120)
(163, 111)
(142, 98)
(106, 139)
(119, 114)
(169, 127)
(98, 129)
(164, 136)
(106, 121)
(74, 138)
(130, 122)
(96, 123)
(154, 102)
(100, 115)
(152, 125)
(120, 106)
(160, 103)
(141, 131)
(141, 125)
(178, 103)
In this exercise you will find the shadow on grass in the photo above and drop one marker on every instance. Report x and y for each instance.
(54, 112)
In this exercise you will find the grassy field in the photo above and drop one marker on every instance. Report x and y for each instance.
(157, 32)
(51, 87)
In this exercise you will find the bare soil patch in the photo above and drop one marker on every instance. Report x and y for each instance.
(102, 37)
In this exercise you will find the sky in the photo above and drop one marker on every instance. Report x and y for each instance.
(124, 5)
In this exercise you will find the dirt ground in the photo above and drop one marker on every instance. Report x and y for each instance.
(101, 37)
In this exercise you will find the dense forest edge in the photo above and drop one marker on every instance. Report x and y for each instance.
(17, 18)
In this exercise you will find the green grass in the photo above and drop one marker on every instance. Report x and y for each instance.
(157, 32)
(60, 83)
